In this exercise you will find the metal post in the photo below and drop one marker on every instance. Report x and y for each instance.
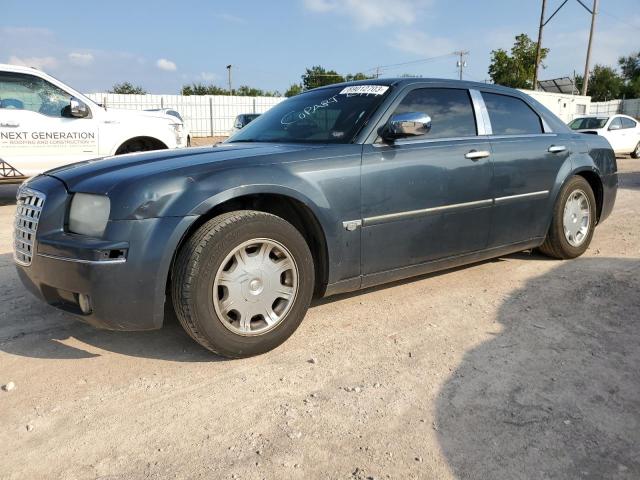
(229, 72)
(461, 62)
(585, 81)
(254, 104)
(539, 46)
(161, 103)
(211, 114)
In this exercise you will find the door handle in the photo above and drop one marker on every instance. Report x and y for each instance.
(557, 148)
(9, 124)
(477, 154)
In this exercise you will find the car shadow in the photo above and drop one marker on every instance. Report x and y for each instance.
(629, 180)
(30, 328)
(8, 194)
(555, 393)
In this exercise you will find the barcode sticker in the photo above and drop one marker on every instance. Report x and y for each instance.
(364, 90)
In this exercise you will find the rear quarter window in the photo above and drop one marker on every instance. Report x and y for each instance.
(510, 115)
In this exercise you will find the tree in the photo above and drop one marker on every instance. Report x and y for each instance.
(351, 77)
(127, 88)
(604, 84)
(243, 91)
(630, 67)
(516, 69)
(294, 89)
(317, 76)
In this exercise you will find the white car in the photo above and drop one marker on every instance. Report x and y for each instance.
(45, 124)
(622, 131)
(174, 113)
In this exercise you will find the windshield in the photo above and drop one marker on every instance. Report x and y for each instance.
(588, 122)
(329, 115)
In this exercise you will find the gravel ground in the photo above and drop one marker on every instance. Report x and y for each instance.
(516, 368)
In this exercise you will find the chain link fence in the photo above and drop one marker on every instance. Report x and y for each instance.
(629, 107)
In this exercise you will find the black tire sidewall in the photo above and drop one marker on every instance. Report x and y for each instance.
(636, 151)
(214, 250)
(575, 183)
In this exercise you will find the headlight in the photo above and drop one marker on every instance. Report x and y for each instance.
(177, 130)
(89, 214)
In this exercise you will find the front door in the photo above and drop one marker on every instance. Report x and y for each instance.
(37, 132)
(428, 197)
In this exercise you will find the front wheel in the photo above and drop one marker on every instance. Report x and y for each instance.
(636, 152)
(573, 222)
(242, 283)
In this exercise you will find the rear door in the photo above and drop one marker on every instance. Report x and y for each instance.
(616, 135)
(426, 198)
(631, 133)
(526, 162)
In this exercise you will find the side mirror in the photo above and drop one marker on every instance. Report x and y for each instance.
(615, 126)
(78, 109)
(410, 124)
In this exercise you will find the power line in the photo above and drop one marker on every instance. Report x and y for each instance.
(392, 66)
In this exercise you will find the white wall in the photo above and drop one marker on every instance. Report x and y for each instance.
(563, 105)
(205, 115)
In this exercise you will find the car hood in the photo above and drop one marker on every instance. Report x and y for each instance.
(103, 174)
(115, 114)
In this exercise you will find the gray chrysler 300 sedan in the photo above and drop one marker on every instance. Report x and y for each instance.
(334, 190)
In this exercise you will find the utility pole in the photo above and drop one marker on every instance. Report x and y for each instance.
(229, 76)
(377, 72)
(585, 81)
(461, 64)
(539, 46)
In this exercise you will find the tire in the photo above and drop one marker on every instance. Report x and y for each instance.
(132, 147)
(242, 259)
(559, 244)
(636, 152)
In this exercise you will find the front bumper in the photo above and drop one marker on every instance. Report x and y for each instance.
(123, 277)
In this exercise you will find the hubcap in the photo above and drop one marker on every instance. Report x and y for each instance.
(255, 287)
(577, 218)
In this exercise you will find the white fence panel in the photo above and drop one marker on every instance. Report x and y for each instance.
(606, 108)
(205, 115)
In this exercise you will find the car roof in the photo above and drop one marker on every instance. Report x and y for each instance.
(400, 82)
(19, 68)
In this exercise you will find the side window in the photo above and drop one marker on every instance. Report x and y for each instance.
(510, 115)
(26, 92)
(627, 122)
(450, 110)
(616, 124)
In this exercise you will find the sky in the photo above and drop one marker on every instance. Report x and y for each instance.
(162, 45)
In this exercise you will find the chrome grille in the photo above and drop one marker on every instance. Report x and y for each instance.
(28, 210)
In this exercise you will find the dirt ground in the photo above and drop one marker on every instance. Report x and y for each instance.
(516, 368)
(206, 141)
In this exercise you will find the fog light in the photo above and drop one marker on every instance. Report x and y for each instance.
(85, 303)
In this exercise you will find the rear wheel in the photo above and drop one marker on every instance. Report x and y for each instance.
(574, 219)
(243, 283)
(140, 144)
(636, 152)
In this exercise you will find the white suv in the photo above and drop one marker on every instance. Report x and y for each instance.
(45, 124)
(622, 131)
